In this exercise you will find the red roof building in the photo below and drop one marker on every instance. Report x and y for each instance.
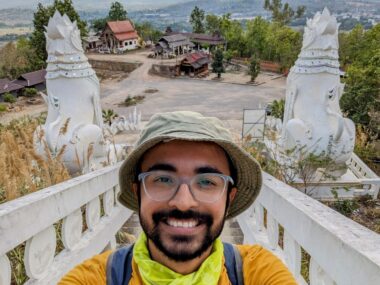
(195, 63)
(119, 36)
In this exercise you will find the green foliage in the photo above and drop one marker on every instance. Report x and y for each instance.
(196, 20)
(109, 115)
(278, 109)
(117, 12)
(9, 98)
(134, 100)
(3, 108)
(283, 45)
(99, 24)
(217, 64)
(257, 33)
(30, 92)
(345, 207)
(41, 19)
(254, 68)
(17, 58)
(148, 32)
(283, 14)
(213, 24)
(228, 55)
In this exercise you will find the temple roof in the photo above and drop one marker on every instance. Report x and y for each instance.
(123, 30)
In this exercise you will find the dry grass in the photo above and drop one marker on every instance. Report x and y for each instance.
(22, 170)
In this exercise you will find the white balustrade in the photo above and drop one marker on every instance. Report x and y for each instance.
(35, 219)
(342, 251)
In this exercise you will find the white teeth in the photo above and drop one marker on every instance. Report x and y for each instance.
(179, 224)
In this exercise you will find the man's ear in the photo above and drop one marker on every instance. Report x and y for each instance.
(232, 194)
(135, 188)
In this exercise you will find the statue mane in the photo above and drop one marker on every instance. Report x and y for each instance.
(321, 32)
(62, 36)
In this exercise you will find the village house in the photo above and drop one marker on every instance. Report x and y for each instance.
(119, 36)
(92, 43)
(35, 79)
(195, 64)
(203, 42)
(7, 86)
(173, 45)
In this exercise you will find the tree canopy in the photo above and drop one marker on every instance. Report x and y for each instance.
(41, 19)
(117, 12)
(196, 19)
(283, 14)
(217, 64)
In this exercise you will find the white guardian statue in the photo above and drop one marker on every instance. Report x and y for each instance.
(74, 121)
(313, 120)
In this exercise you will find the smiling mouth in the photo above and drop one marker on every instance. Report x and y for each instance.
(179, 223)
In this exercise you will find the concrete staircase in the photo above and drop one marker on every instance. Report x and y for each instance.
(231, 232)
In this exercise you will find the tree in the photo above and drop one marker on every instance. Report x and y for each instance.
(254, 68)
(117, 12)
(16, 58)
(99, 24)
(196, 20)
(217, 65)
(41, 19)
(212, 24)
(257, 33)
(283, 13)
(148, 32)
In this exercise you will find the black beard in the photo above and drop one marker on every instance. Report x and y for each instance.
(182, 256)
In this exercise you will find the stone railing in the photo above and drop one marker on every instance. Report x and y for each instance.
(294, 226)
(367, 176)
(82, 212)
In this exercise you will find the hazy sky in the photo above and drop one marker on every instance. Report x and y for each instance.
(87, 3)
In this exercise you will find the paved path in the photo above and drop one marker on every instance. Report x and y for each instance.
(223, 100)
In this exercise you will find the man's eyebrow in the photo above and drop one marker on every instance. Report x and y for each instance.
(162, 166)
(207, 169)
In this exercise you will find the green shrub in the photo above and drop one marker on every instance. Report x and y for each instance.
(30, 92)
(278, 109)
(3, 108)
(9, 98)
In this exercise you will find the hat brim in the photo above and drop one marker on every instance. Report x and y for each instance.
(249, 177)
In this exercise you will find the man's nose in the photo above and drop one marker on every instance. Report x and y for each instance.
(183, 200)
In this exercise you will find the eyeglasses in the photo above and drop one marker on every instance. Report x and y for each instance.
(205, 187)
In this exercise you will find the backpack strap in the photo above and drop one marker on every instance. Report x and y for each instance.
(233, 264)
(120, 259)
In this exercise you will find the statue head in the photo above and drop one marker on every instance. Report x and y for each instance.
(321, 32)
(62, 36)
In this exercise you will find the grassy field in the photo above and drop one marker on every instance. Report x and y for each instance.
(16, 30)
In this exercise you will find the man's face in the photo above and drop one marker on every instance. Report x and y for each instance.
(184, 228)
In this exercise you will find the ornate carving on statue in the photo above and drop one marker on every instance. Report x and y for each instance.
(313, 120)
(39, 253)
(72, 229)
(5, 270)
(74, 117)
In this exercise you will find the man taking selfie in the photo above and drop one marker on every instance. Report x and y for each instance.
(185, 177)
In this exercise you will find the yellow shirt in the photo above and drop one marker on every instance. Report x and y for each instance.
(260, 267)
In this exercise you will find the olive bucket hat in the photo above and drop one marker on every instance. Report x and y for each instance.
(191, 126)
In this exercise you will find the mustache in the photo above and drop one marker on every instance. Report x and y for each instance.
(177, 214)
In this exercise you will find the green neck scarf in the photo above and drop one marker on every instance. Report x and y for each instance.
(154, 273)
